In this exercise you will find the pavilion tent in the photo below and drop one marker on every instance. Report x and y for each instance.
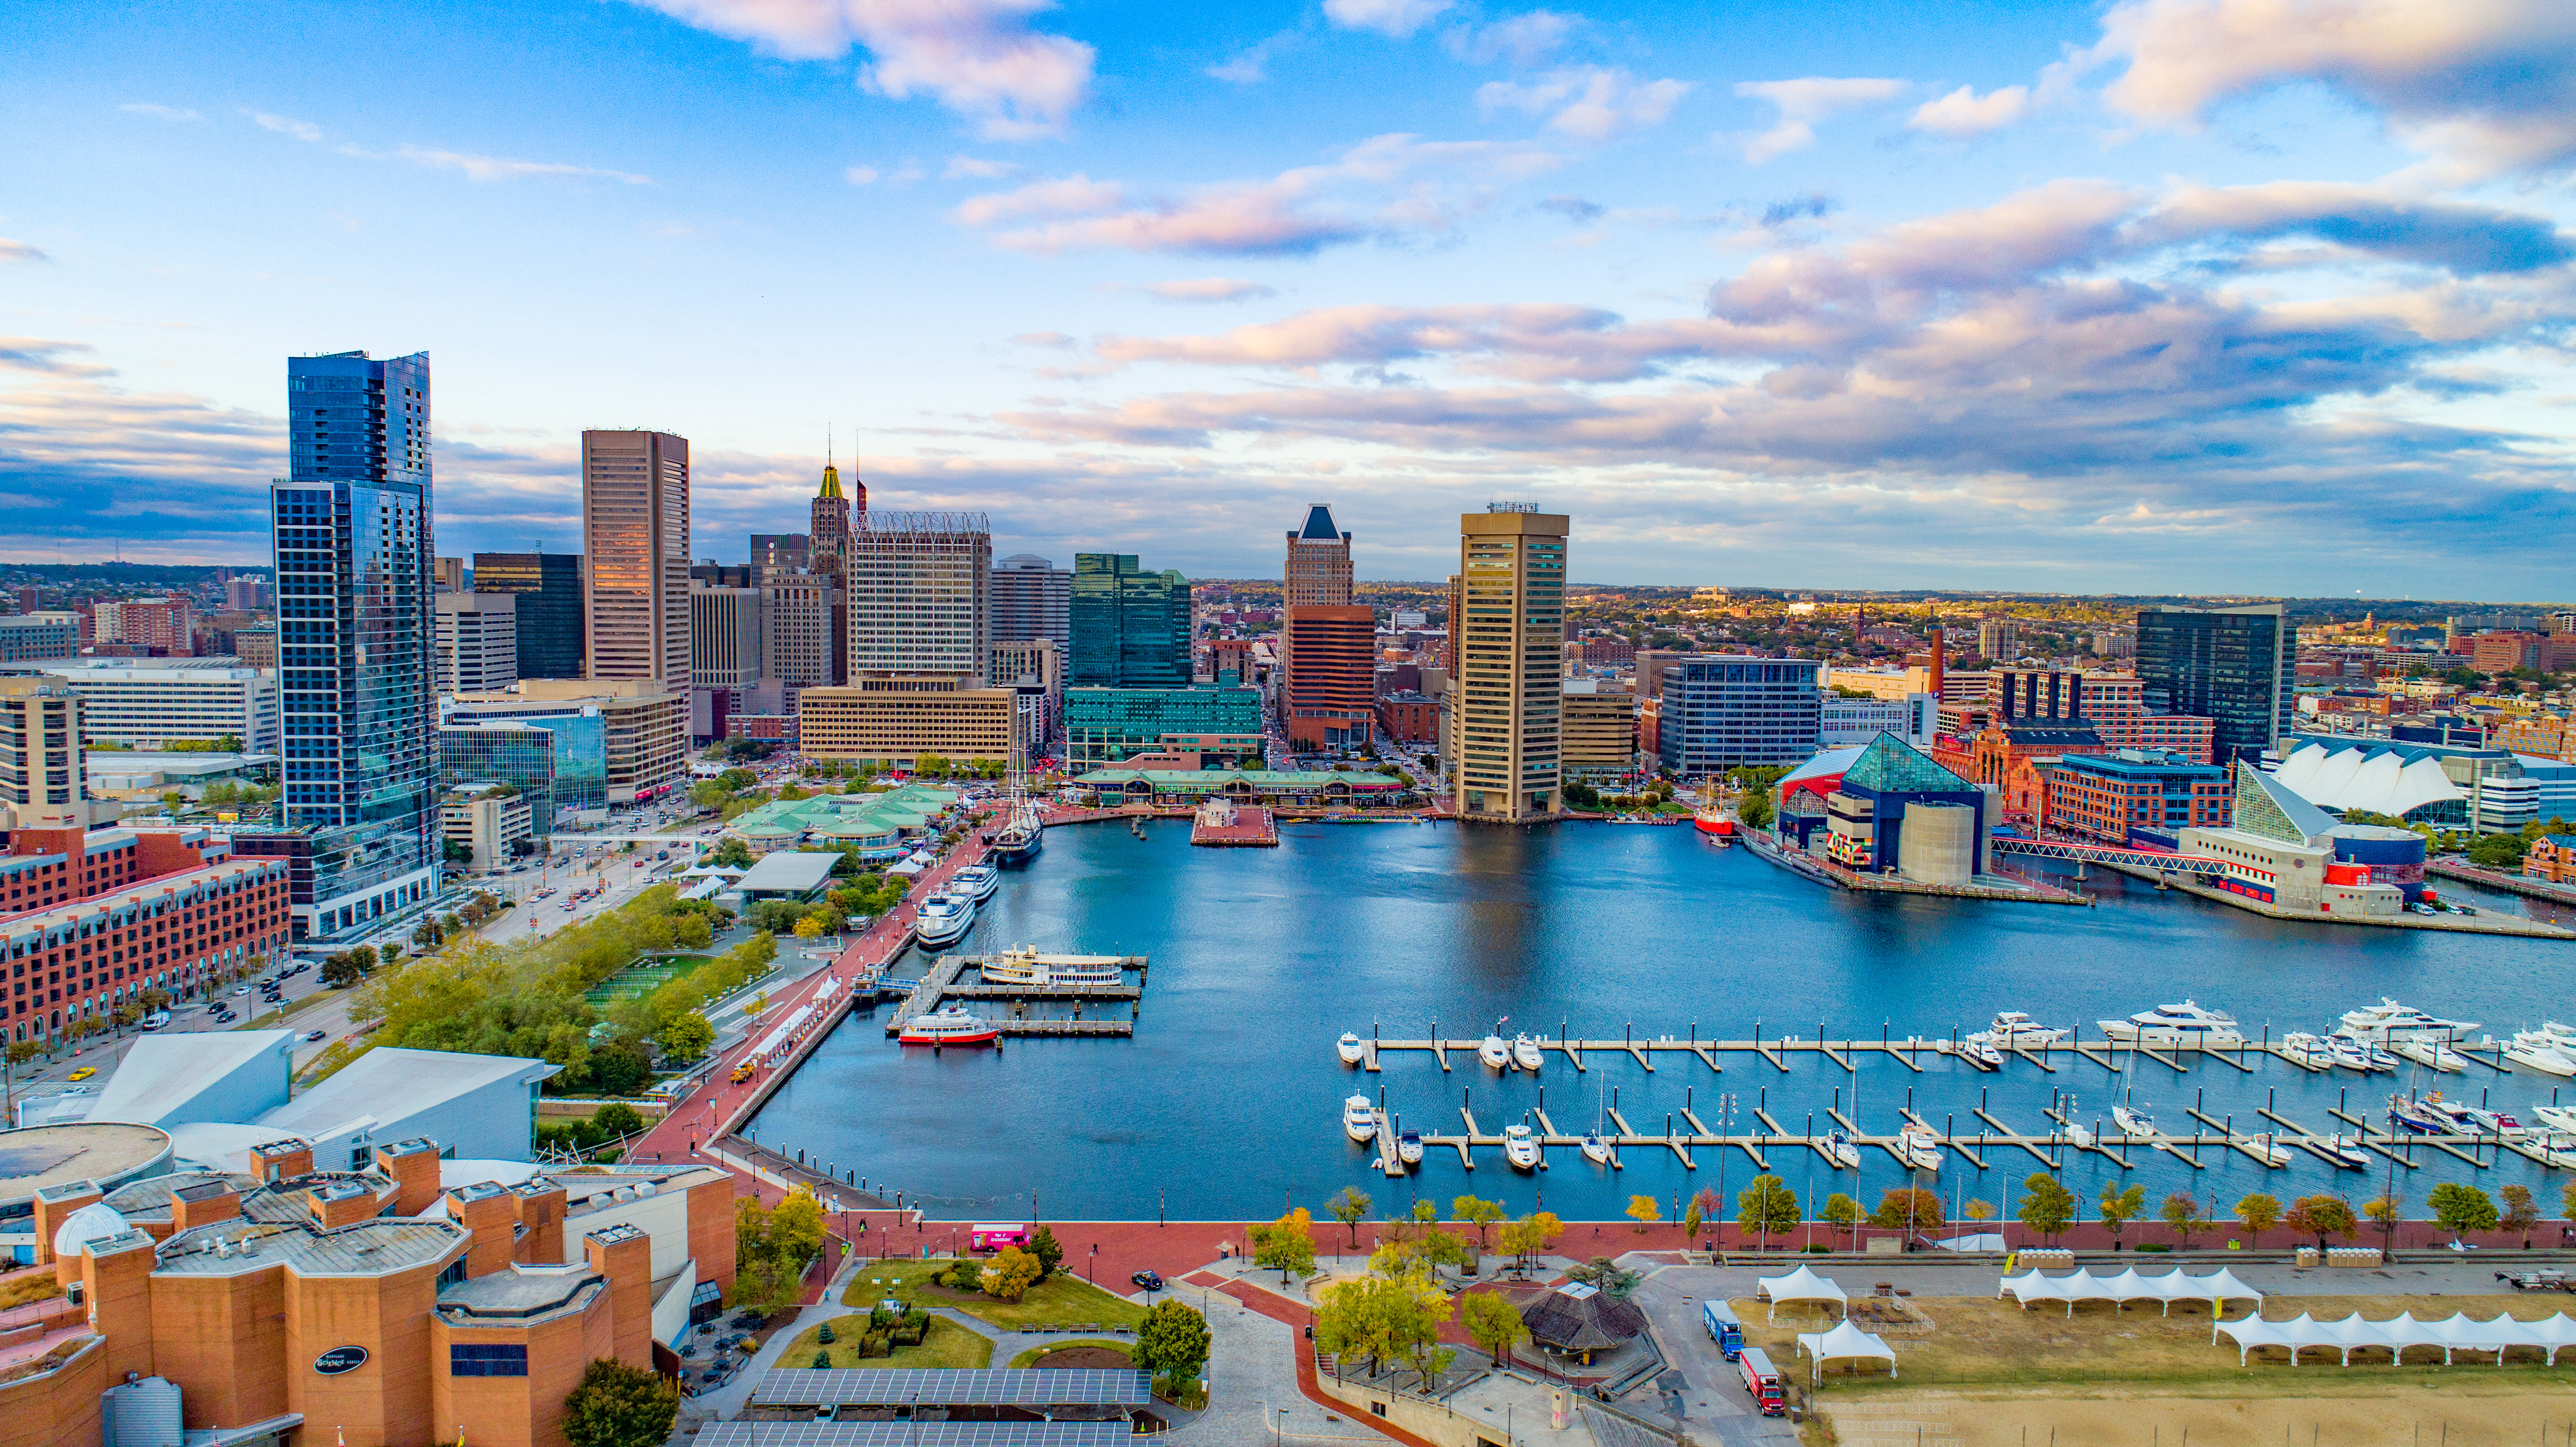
(2550, 1333)
(1846, 1340)
(1802, 1284)
(2254, 1332)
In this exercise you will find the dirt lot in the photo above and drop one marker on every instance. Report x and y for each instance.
(1096, 1358)
(2356, 1413)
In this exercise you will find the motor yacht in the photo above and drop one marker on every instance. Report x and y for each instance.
(1525, 1053)
(2272, 1152)
(948, 1025)
(2430, 1052)
(1596, 1150)
(2542, 1051)
(2556, 1117)
(1520, 1147)
(1982, 1050)
(2347, 1152)
(944, 920)
(2479, 1120)
(1350, 1048)
(978, 880)
(1495, 1052)
(2137, 1125)
(2186, 1024)
(2013, 1029)
(1359, 1118)
(1920, 1147)
(2305, 1049)
(2392, 1022)
(1025, 966)
(2353, 1053)
(1839, 1152)
(1408, 1147)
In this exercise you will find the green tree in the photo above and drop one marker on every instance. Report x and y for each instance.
(1048, 1251)
(686, 1037)
(2461, 1208)
(2320, 1216)
(1382, 1317)
(730, 853)
(1493, 1324)
(620, 1406)
(1172, 1343)
(1907, 1209)
(1606, 1276)
(2258, 1213)
(616, 1118)
(1350, 1206)
(1765, 1209)
(1755, 810)
(2047, 1207)
(1840, 1213)
(2120, 1207)
(2182, 1213)
(1479, 1214)
(1286, 1245)
(1691, 1219)
(2520, 1213)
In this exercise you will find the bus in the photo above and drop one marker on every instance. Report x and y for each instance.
(1723, 1328)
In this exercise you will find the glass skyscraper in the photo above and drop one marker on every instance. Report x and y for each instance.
(2238, 666)
(1130, 628)
(356, 663)
(548, 586)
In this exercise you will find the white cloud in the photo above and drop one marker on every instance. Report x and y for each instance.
(20, 251)
(978, 168)
(862, 175)
(1074, 195)
(1396, 18)
(493, 168)
(162, 112)
(1963, 112)
(1523, 39)
(1207, 289)
(1593, 102)
(976, 57)
(1804, 102)
(1250, 68)
(284, 126)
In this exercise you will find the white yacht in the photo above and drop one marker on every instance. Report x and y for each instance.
(2392, 1022)
(944, 919)
(1838, 1151)
(1359, 1118)
(949, 1025)
(2272, 1152)
(1408, 1147)
(2354, 1053)
(1520, 1147)
(1025, 966)
(2556, 1117)
(1525, 1053)
(2137, 1125)
(1982, 1050)
(2186, 1024)
(2427, 1050)
(2542, 1051)
(979, 880)
(2013, 1029)
(1496, 1052)
(2347, 1152)
(2308, 1050)
(1349, 1048)
(1920, 1147)
(1596, 1150)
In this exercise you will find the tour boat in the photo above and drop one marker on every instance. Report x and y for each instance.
(948, 1025)
(1920, 1147)
(2541, 1051)
(1025, 966)
(1359, 1118)
(2347, 1152)
(2305, 1049)
(944, 920)
(2014, 1030)
(1349, 1048)
(2427, 1051)
(1520, 1147)
(2135, 1124)
(1713, 820)
(2392, 1022)
(1408, 1147)
(2271, 1152)
(1839, 1152)
(2186, 1024)
(1021, 838)
(1596, 1150)
(1496, 1052)
(977, 880)
(1525, 1053)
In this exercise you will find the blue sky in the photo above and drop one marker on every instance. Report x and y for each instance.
(2167, 295)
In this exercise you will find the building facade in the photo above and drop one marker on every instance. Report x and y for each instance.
(1032, 599)
(1106, 726)
(917, 594)
(1842, 720)
(42, 774)
(2234, 666)
(798, 613)
(1329, 655)
(900, 720)
(2112, 797)
(635, 541)
(1599, 739)
(550, 609)
(782, 552)
(139, 704)
(1725, 710)
(521, 754)
(1507, 621)
(478, 641)
(642, 734)
(163, 627)
(727, 643)
(39, 637)
(482, 826)
(1129, 628)
(97, 917)
(1409, 717)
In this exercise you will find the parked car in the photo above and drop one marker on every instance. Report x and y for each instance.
(1149, 1280)
(312, 1035)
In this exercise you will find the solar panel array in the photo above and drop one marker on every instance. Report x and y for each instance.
(915, 1434)
(952, 1386)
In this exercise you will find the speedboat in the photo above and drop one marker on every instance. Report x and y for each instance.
(1982, 1050)
(2135, 1124)
(2482, 1121)
(2354, 1053)
(1838, 1151)
(2427, 1051)
(1520, 1147)
(2272, 1152)
(1920, 1147)
(1525, 1053)
(1359, 1118)
(2305, 1049)
(1596, 1150)
(2186, 1025)
(978, 880)
(1408, 1147)
(2556, 1117)
(2013, 1029)
(1496, 1052)
(948, 1025)
(1349, 1048)
(2347, 1152)
(2392, 1022)
(2541, 1051)
(944, 920)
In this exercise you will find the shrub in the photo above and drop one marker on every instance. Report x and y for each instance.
(822, 1361)
(874, 1344)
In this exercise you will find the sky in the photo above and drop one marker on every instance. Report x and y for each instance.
(2228, 296)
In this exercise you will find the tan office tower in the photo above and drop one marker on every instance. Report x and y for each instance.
(1326, 646)
(41, 769)
(1506, 700)
(920, 598)
(1319, 563)
(635, 526)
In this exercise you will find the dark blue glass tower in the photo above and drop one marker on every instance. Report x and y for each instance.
(354, 648)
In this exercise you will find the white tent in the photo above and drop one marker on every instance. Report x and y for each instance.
(1845, 1340)
(2254, 1332)
(2220, 1286)
(1802, 1284)
(2457, 1333)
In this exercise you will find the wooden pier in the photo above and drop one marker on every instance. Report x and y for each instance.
(943, 983)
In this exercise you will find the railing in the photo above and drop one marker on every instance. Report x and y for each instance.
(2109, 854)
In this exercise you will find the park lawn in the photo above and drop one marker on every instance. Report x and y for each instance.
(1061, 1300)
(1030, 1357)
(945, 1345)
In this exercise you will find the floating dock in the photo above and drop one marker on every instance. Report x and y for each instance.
(945, 982)
(2116, 1057)
(1239, 826)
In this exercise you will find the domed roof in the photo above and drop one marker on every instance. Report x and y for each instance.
(94, 1222)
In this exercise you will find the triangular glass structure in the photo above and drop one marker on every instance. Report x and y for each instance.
(1319, 526)
(1891, 766)
(2265, 806)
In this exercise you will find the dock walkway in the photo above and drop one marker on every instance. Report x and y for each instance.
(945, 981)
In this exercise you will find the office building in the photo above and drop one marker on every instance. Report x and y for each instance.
(153, 703)
(724, 575)
(1330, 695)
(2235, 666)
(1724, 710)
(42, 776)
(550, 630)
(899, 720)
(447, 575)
(1105, 726)
(1035, 668)
(1999, 639)
(524, 753)
(918, 599)
(1409, 717)
(39, 637)
(1032, 598)
(1130, 628)
(635, 532)
(2131, 796)
(782, 552)
(478, 641)
(483, 825)
(1842, 721)
(1599, 725)
(798, 611)
(727, 643)
(1507, 621)
(829, 542)
(642, 731)
(1318, 571)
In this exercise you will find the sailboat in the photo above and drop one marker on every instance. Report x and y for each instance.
(1596, 1146)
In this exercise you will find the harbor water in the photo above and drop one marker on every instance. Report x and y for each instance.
(1227, 1102)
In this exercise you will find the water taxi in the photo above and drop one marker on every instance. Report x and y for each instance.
(1025, 966)
(948, 1025)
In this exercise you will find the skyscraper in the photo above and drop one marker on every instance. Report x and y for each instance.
(1327, 646)
(2235, 665)
(917, 594)
(831, 535)
(478, 641)
(1508, 629)
(1319, 562)
(1130, 628)
(550, 609)
(356, 662)
(635, 526)
(1032, 599)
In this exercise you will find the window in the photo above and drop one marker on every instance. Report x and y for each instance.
(486, 1359)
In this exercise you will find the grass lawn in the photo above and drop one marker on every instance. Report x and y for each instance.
(1030, 1357)
(1061, 1300)
(946, 1345)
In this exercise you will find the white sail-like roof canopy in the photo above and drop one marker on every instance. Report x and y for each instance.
(1802, 1284)
(1846, 1340)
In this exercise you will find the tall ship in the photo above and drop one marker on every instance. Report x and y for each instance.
(1021, 836)
(1025, 966)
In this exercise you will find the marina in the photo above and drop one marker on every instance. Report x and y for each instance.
(1025, 977)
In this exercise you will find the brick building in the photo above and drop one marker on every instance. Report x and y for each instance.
(1409, 718)
(2110, 796)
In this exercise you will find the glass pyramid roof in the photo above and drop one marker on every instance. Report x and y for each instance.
(1891, 766)
(1319, 526)
(2265, 806)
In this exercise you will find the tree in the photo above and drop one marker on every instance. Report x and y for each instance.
(620, 1406)
(1979, 1211)
(2182, 1213)
(1172, 1343)
(1605, 1275)
(1690, 1219)
(2519, 1214)
(1010, 1274)
(1645, 1211)
(2120, 1207)
(2320, 1216)
(1349, 1206)
(1048, 1251)
(2461, 1208)
(2258, 1213)
(616, 1118)
(687, 1036)
(1765, 1209)
(1285, 1245)
(1380, 1317)
(340, 972)
(1840, 1213)
(730, 853)
(1755, 809)
(809, 925)
(1492, 1324)
(1908, 1209)
(1530, 1237)
(2047, 1207)
(1479, 1214)
(2385, 1211)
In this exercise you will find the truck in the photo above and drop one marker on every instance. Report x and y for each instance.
(1723, 1328)
(1763, 1382)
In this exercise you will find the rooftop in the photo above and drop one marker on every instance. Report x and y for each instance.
(364, 1248)
(164, 1077)
(388, 1083)
(789, 872)
(522, 1293)
(46, 1157)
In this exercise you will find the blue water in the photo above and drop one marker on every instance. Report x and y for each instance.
(1227, 1101)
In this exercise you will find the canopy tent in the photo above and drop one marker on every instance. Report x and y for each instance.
(2457, 1333)
(1802, 1284)
(1845, 1340)
(2217, 1288)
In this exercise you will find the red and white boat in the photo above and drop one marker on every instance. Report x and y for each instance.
(948, 1025)
(1713, 820)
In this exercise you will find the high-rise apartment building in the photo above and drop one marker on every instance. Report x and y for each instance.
(1032, 598)
(727, 644)
(165, 626)
(635, 530)
(41, 772)
(1599, 730)
(1507, 626)
(357, 665)
(37, 637)
(478, 641)
(918, 595)
(550, 609)
(1130, 628)
(2236, 666)
(1999, 639)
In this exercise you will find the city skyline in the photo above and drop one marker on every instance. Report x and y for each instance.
(2171, 296)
